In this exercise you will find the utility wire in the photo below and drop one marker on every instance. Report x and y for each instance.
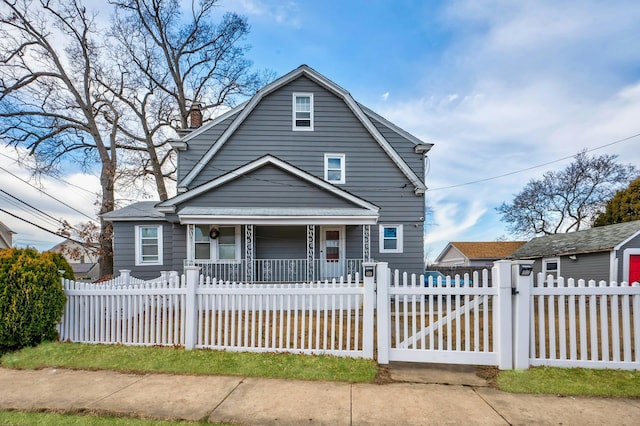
(56, 220)
(48, 195)
(53, 177)
(533, 167)
(42, 228)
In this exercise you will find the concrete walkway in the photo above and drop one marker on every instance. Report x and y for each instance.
(418, 395)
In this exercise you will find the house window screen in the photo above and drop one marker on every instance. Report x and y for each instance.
(148, 249)
(334, 168)
(302, 111)
(390, 239)
(202, 242)
(227, 243)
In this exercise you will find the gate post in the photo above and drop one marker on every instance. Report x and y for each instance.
(523, 277)
(383, 318)
(191, 315)
(502, 319)
(368, 311)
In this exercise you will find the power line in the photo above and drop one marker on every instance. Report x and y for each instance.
(56, 221)
(53, 177)
(42, 228)
(533, 167)
(48, 195)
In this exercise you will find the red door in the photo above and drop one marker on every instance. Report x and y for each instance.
(634, 268)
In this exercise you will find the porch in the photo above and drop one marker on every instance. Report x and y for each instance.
(278, 253)
(278, 270)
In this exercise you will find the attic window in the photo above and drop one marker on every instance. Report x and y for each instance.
(303, 111)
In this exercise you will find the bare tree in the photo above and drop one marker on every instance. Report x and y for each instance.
(50, 101)
(566, 200)
(172, 63)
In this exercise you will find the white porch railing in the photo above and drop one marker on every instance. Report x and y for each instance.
(279, 270)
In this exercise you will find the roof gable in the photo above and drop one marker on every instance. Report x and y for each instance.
(482, 249)
(602, 238)
(245, 111)
(169, 206)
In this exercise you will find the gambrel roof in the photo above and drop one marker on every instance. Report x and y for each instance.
(241, 112)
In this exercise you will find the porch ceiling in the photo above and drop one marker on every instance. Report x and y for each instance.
(277, 216)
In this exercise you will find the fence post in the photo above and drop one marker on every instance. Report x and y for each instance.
(384, 323)
(502, 322)
(191, 324)
(125, 274)
(368, 304)
(521, 312)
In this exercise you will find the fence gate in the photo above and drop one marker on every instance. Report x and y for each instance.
(455, 321)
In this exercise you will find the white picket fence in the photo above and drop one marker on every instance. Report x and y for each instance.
(583, 324)
(514, 322)
(197, 312)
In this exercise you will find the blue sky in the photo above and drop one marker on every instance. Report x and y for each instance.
(497, 85)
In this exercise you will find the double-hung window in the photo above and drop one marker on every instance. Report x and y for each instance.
(390, 238)
(303, 111)
(148, 240)
(216, 243)
(334, 168)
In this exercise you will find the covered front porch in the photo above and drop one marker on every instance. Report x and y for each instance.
(276, 252)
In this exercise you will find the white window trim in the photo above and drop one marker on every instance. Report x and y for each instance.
(342, 168)
(215, 251)
(399, 247)
(293, 112)
(138, 246)
(626, 260)
(544, 266)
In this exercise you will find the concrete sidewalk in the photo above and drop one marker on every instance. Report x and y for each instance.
(417, 396)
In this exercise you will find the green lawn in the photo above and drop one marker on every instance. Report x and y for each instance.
(20, 418)
(201, 362)
(571, 381)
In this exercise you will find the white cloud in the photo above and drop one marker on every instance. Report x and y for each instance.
(79, 199)
(527, 83)
(280, 12)
(385, 96)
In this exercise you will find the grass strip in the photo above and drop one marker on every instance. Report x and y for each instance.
(571, 381)
(198, 362)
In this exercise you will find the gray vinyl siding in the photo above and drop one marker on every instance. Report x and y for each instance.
(370, 173)
(280, 242)
(124, 256)
(198, 147)
(587, 266)
(403, 147)
(411, 260)
(268, 186)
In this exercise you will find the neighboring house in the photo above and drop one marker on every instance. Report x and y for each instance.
(476, 254)
(6, 236)
(301, 182)
(610, 253)
(82, 260)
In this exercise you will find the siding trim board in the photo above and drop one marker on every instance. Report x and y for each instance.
(169, 206)
(419, 186)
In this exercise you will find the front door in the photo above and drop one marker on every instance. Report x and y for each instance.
(332, 251)
(634, 268)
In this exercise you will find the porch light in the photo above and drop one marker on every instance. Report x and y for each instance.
(526, 270)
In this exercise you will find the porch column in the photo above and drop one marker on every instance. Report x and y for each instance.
(366, 243)
(311, 252)
(248, 252)
(191, 230)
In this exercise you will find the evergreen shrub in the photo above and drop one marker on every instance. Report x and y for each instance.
(31, 298)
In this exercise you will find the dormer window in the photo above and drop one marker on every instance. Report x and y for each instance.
(303, 111)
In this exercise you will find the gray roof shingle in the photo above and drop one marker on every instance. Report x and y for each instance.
(602, 238)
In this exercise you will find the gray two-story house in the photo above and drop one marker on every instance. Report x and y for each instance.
(299, 183)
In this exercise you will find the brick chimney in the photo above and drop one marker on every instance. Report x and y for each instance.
(195, 115)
